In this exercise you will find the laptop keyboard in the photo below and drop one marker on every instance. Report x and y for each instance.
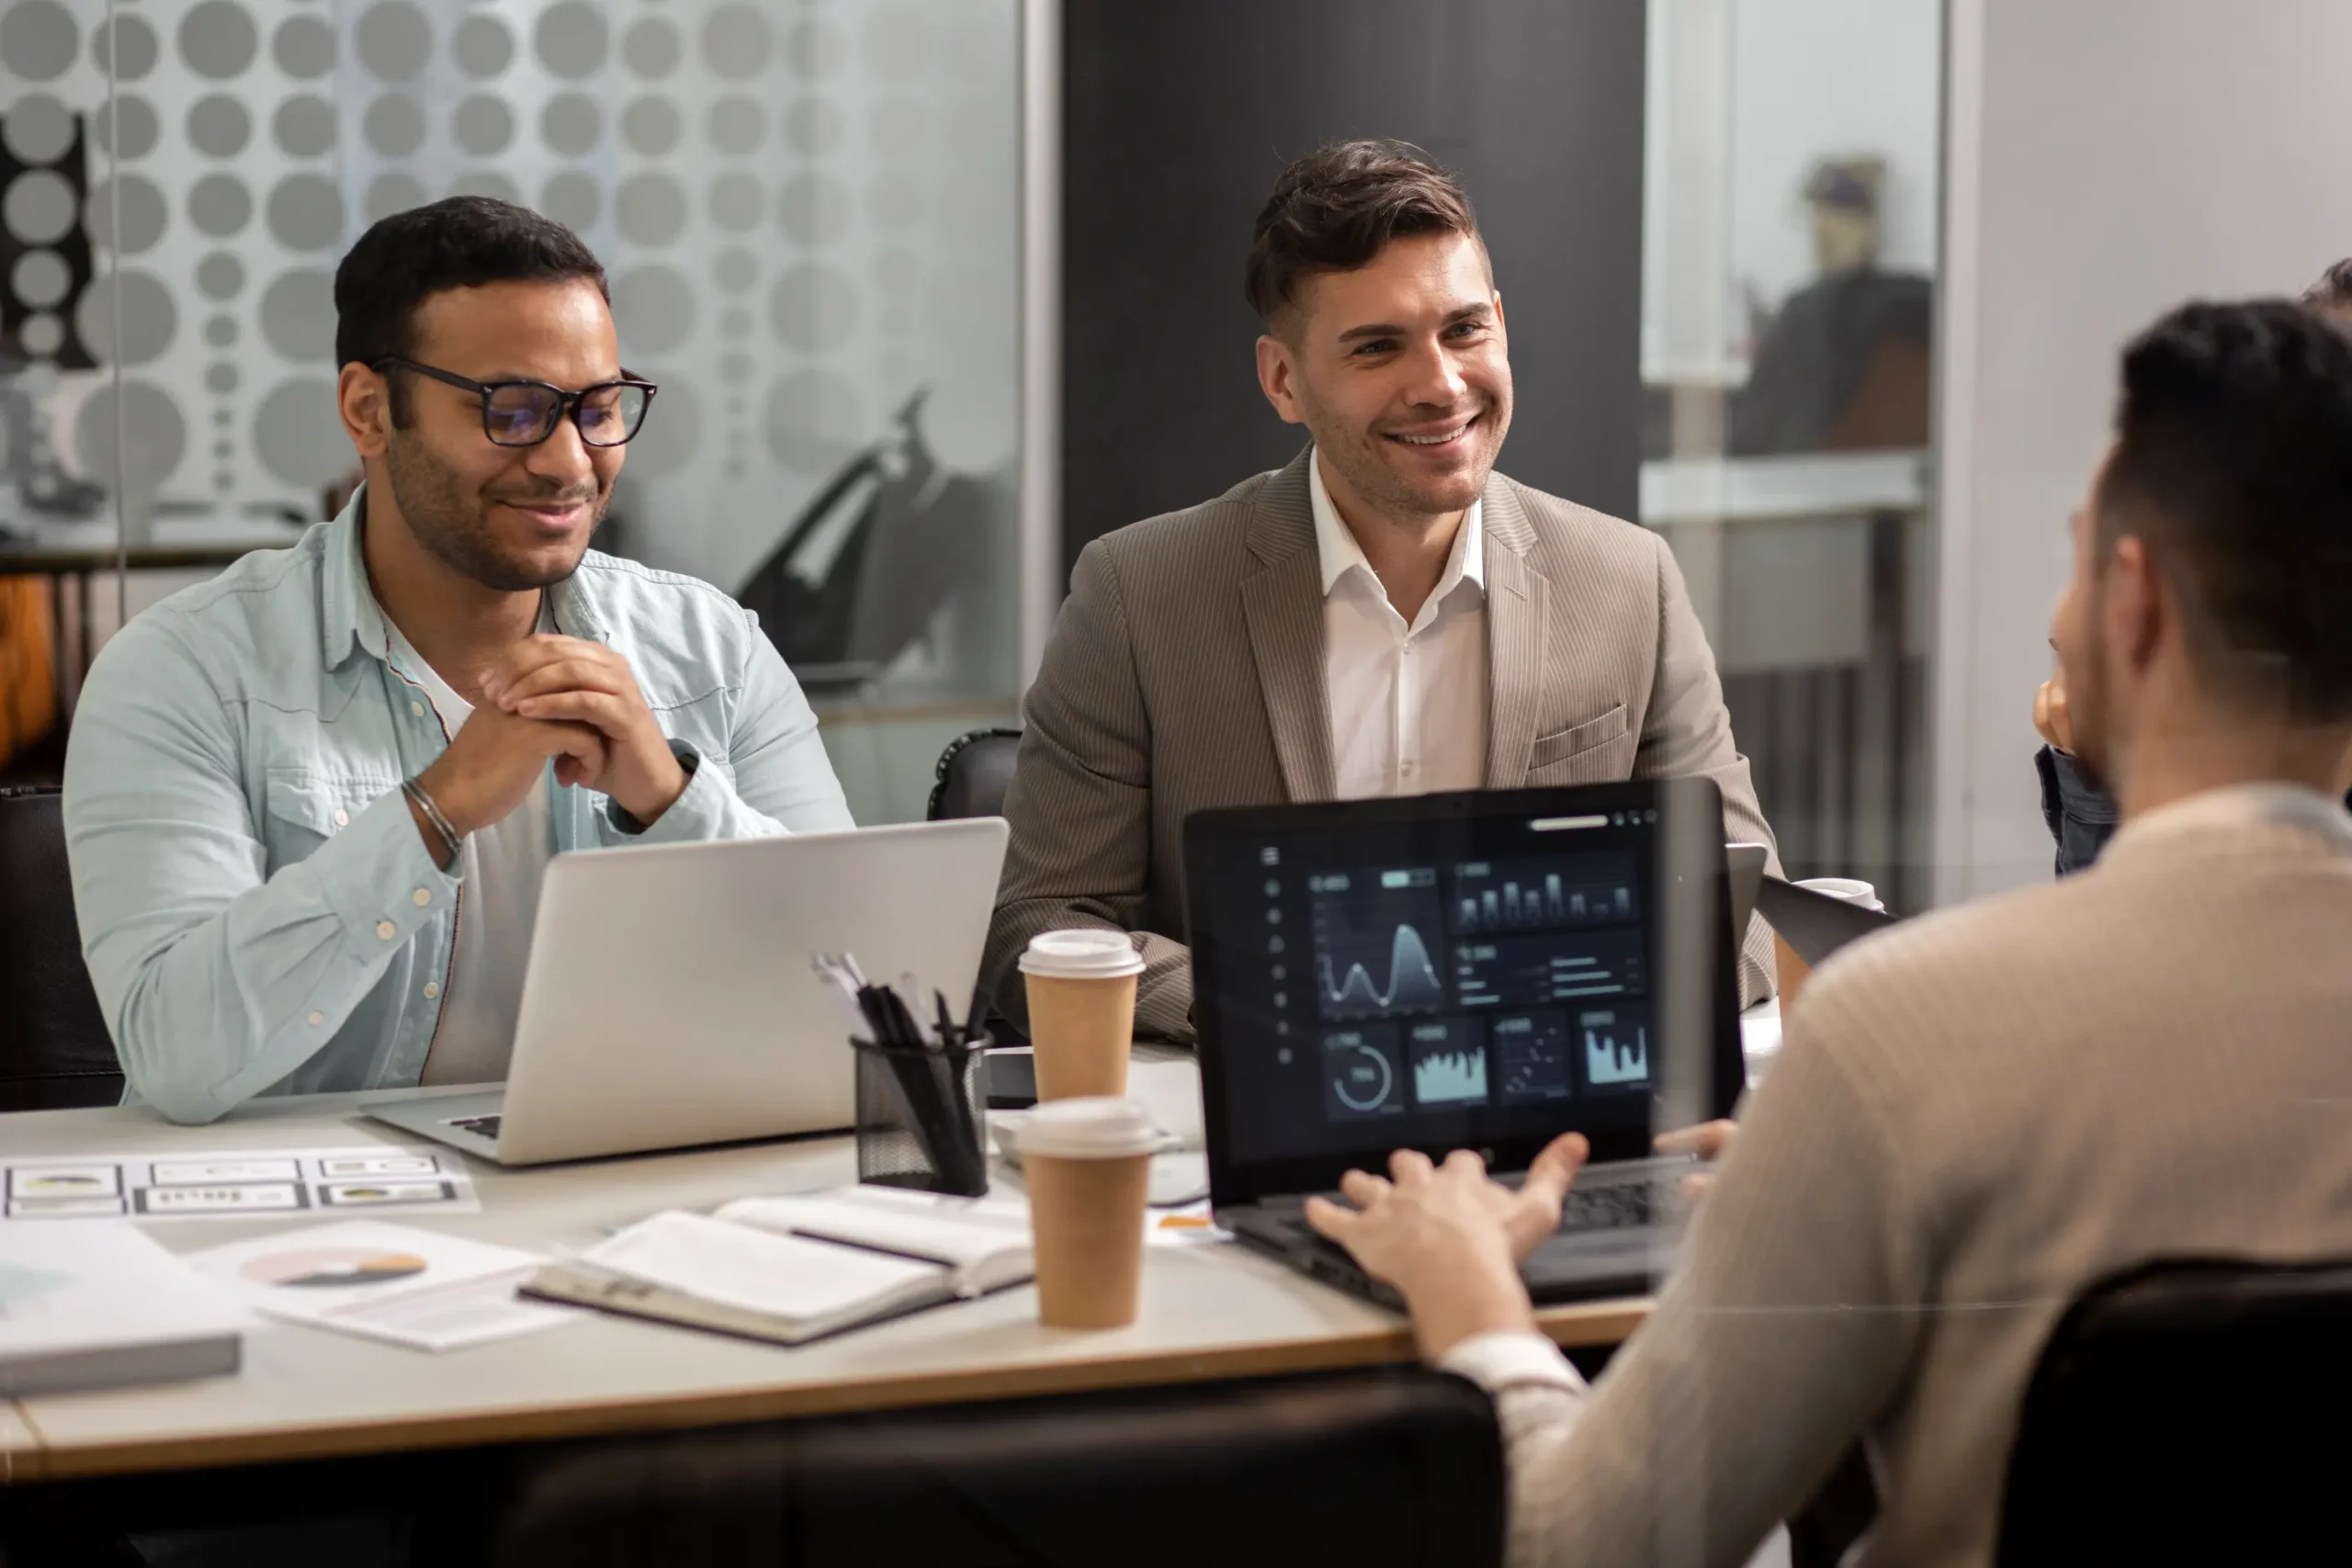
(485, 1126)
(1619, 1206)
(1606, 1208)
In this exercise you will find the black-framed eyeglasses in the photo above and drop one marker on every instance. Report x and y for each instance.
(524, 413)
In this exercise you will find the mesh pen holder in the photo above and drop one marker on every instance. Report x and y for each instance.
(923, 1116)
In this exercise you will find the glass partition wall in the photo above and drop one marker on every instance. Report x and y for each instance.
(809, 213)
(1794, 190)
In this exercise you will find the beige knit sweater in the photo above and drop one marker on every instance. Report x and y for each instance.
(1974, 1116)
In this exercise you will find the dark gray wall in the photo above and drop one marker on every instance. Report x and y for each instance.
(1179, 116)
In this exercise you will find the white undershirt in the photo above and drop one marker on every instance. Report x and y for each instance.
(501, 866)
(1409, 704)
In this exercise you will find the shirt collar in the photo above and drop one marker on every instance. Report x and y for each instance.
(1339, 552)
(348, 615)
(350, 618)
(2272, 804)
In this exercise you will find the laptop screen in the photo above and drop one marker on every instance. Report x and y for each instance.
(1476, 970)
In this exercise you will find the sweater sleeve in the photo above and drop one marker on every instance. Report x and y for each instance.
(1782, 1332)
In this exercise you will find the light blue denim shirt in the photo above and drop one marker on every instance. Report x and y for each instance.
(257, 908)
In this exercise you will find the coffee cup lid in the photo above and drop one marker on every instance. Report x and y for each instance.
(1084, 955)
(1850, 889)
(1088, 1127)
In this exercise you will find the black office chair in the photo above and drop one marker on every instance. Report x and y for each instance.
(973, 775)
(54, 1048)
(2188, 1411)
(1397, 1468)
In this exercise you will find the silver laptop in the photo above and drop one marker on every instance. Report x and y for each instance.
(669, 999)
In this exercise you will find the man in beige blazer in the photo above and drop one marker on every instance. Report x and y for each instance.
(1982, 1112)
(1385, 616)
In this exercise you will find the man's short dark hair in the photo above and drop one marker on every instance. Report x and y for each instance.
(2333, 291)
(462, 241)
(1333, 211)
(2233, 462)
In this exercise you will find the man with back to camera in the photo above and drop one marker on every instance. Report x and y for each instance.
(1981, 1113)
(1386, 615)
(2080, 815)
(307, 803)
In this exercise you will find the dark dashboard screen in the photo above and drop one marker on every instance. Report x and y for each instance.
(1466, 981)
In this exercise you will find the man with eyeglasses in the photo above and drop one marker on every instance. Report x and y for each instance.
(307, 803)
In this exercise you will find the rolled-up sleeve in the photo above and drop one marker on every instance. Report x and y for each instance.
(215, 978)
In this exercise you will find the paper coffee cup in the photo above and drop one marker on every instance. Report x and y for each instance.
(1081, 987)
(1087, 1164)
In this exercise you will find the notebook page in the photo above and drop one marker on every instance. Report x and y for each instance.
(960, 1239)
(755, 1271)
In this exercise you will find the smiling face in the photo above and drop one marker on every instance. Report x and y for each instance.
(511, 518)
(1401, 370)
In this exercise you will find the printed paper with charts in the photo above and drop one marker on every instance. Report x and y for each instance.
(205, 1186)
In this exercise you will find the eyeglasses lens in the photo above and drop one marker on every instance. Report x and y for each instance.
(520, 416)
(610, 415)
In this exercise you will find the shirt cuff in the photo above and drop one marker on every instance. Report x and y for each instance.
(693, 805)
(1511, 1357)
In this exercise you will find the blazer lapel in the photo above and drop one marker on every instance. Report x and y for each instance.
(1282, 601)
(1517, 597)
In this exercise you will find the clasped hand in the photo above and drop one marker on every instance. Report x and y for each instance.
(563, 699)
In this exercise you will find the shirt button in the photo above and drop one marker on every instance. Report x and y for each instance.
(385, 928)
(431, 989)
(342, 818)
(317, 1019)
(417, 709)
(421, 898)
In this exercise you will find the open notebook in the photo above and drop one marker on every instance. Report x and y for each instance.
(788, 1269)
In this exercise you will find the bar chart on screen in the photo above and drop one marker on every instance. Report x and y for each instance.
(1554, 894)
(1448, 1062)
(1616, 1051)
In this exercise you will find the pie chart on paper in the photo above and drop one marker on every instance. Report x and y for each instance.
(333, 1265)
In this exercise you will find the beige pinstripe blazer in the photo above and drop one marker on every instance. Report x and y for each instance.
(1185, 672)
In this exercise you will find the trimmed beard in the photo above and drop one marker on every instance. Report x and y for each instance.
(452, 525)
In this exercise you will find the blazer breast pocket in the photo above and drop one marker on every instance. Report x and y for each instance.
(1599, 750)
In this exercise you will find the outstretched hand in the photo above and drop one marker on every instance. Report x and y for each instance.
(1448, 1238)
(1707, 1141)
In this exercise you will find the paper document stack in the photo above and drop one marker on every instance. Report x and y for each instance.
(788, 1269)
(95, 1304)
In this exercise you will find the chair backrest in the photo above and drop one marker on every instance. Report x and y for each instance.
(54, 1048)
(2187, 1411)
(1396, 1468)
(973, 775)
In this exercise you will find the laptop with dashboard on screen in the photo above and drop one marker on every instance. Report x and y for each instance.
(1483, 970)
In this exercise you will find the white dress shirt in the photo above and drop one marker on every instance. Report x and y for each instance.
(1408, 703)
